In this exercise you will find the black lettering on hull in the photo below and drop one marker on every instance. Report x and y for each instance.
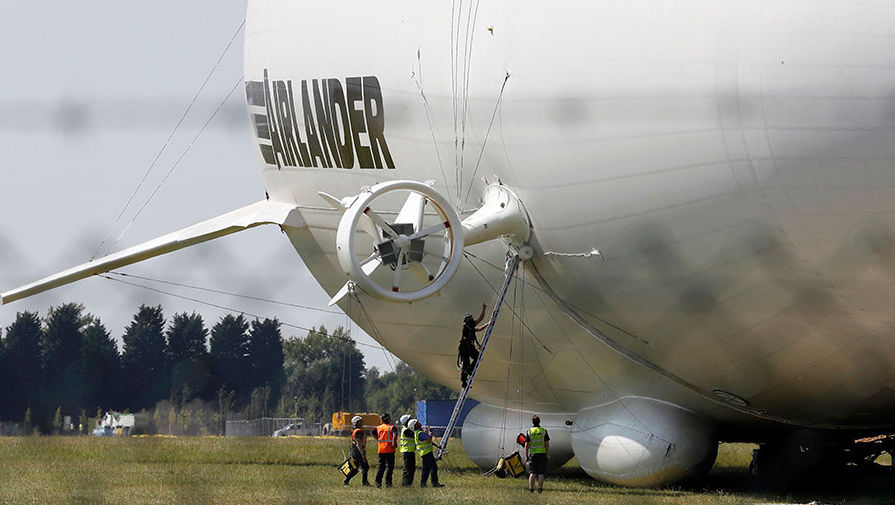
(344, 127)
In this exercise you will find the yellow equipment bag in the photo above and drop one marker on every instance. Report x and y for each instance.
(347, 467)
(513, 464)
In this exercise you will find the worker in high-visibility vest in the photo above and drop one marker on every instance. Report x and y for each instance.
(407, 448)
(424, 449)
(358, 451)
(387, 436)
(537, 445)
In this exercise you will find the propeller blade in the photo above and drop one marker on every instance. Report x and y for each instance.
(381, 223)
(370, 264)
(412, 211)
(397, 284)
(430, 230)
(421, 273)
(365, 225)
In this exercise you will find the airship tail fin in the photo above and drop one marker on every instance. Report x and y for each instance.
(263, 212)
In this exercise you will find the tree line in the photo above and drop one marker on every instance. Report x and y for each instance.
(186, 378)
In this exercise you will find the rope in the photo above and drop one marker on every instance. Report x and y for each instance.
(171, 135)
(597, 374)
(522, 349)
(231, 309)
(577, 351)
(228, 293)
(506, 396)
(576, 307)
(468, 39)
(179, 159)
(378, 335)
(512, 309)
(419, 85)
(342, 390)
(487, 134)
(537, 355)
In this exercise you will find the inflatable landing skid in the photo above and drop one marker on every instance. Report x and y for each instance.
(512, 265)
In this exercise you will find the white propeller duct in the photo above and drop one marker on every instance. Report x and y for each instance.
(405, 244)
(425, 239)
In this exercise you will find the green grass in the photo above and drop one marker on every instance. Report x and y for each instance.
(86, 470)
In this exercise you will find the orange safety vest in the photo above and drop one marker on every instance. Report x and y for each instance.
(359, 436)
(385, 433)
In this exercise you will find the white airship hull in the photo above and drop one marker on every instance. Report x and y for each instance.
(732, 161)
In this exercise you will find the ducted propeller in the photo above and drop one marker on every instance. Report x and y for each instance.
(412, 254)
(399, 258)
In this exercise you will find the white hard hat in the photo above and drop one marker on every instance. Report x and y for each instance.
(404, 419)
(355, 419)
(412, 422)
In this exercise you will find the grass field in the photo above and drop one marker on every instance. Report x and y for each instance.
(86, 470)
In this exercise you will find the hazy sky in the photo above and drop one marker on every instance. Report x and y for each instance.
(92, 92)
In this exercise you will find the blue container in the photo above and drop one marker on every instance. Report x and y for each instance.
(436, 413)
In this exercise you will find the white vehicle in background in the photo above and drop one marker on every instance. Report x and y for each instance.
(115, 424)
(290, 429)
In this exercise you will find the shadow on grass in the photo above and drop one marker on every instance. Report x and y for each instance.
(874, 486)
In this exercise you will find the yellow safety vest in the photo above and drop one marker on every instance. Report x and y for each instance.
(536, 443)
(423, 447)
(406, 443)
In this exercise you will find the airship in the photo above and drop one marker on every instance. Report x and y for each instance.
(702, 194)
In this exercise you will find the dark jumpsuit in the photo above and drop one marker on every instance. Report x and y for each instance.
(467, 354)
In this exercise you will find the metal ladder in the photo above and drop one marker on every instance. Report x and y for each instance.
(512, 265)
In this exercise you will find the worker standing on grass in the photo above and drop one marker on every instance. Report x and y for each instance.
(537, 445)
(468, 351)
(387, 436)
(358, 451)
(407, 448)
(424, 448)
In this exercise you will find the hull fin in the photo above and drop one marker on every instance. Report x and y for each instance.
(263, 212)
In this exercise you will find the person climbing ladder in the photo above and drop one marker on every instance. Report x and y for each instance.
(468, 351)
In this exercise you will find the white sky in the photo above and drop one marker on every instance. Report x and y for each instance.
(92, 91)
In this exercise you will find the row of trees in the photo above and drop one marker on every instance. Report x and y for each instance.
(186, 377)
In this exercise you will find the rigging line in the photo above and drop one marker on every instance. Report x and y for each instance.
(427, 108)
(209, 290)
(537, 355)
(342, 392)
(597, 374)
(182, 155)
(467, 67)
(521, 346)
(459, 93)
(503, 141)
(506, 395)
(376, 331)
(171, 135)
(512, 309)
(454, 43)
(389, 357)
(222, 307)
(487, 134)
(509, 368)
(572, 305)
